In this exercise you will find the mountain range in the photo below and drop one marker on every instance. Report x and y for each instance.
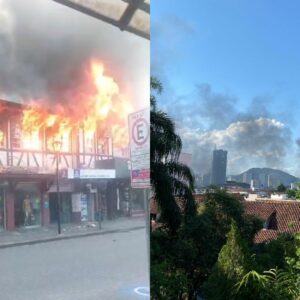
(265, 177)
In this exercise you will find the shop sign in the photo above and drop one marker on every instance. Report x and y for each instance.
(91, 173)
(139, 133)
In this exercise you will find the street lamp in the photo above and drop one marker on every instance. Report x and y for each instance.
(57, 148)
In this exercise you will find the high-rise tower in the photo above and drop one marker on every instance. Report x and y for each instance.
(219, 165)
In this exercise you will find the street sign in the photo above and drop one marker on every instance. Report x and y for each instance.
(139, 133)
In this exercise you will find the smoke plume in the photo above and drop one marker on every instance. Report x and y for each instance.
(46, 47)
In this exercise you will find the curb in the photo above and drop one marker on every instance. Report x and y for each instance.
(68, 237)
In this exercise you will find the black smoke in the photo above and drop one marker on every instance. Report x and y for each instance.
(45, 48)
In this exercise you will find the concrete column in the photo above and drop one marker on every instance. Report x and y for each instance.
(10, 211)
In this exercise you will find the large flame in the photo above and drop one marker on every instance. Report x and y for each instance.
(101, 108)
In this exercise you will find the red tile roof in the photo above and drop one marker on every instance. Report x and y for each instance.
(265, 235)
(281, 216)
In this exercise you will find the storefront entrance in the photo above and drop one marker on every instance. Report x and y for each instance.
(65, 207)
(27, 204)
(87, 206)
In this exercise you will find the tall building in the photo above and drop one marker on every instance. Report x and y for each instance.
(219, 165)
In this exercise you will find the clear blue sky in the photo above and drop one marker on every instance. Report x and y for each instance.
(243, 50)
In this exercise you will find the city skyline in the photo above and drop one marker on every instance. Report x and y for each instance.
(233, 80)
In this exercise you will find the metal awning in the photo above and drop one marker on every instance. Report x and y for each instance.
(129, 15)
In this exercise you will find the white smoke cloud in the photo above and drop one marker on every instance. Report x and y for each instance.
(261, 142)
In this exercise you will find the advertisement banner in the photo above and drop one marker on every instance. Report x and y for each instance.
(139, 133)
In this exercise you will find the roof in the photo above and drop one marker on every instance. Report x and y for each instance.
(265, 235)
(154, 206)
(130, 15)
(9, 107)
(280, 216)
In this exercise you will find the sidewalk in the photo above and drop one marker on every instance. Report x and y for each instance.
(29, 236)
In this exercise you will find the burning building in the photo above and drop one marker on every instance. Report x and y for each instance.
(85, 136)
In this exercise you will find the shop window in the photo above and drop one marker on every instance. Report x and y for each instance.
(27, 205)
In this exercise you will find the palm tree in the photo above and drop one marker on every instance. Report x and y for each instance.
(170, 179)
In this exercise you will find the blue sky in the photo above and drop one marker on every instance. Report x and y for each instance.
(239, 59)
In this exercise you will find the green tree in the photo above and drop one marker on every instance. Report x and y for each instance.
(233, 263)
(272, 255)
(169, 256)
(170, 180)
(274, 284)
(281, 188)
(291, 193)
(194, 250)
(206, 235)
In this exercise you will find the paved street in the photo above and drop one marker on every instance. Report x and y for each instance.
(27, 235)
(110, 266)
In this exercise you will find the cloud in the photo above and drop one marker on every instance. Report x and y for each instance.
(45, 45)
(258, 142)
(250, 129)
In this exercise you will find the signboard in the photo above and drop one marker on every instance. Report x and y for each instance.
(91, 173)
(139, 133)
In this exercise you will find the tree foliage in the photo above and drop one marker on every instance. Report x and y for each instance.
(281, 188)
(194, 250)
(170, 179)
(291, 194)
(274, 284)
(233, 263)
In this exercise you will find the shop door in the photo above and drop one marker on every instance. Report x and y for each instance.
(65, 207)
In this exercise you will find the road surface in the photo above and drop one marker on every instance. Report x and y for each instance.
(111, 266)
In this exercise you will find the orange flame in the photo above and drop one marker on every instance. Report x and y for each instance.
(2, 138)
(101, 107)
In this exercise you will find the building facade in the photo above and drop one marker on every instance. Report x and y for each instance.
(87, 187)
(219, 166)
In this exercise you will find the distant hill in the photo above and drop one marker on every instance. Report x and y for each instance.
(265, 177)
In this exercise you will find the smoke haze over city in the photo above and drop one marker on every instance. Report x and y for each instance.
(239, 91)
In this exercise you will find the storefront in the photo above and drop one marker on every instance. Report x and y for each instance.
(65, 207)
(66, 189)
(27, 204)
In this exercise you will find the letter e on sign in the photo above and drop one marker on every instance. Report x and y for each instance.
(140, 131)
